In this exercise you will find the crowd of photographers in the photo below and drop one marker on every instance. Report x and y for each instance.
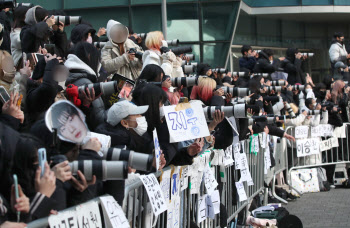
(41, 66)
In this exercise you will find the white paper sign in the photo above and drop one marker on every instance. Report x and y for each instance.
(165, 185)
(184, 178)
(245, 173)
(209, 180)
(236, 155)
(267, 159)
(186, 124)
(64, 219)
(113, 214)
(213, 204)
(241, 192)
(105, 141)
(306, 147)
(301, 132)
(255, 144)
(334, 142)
(316, 131)
(227, 158)
(173, 218)
(157, 151)
(263, 140)
(154, 193)
(202, 208)
(175, 183)
(88, 215)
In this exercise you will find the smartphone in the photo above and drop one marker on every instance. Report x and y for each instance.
(15, 181)
(42, 160)
(37, 57)
(24, 57)
(126, 90)
(4, 96)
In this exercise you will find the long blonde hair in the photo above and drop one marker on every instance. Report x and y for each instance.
(154, 40)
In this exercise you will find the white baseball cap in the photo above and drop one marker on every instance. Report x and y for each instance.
(123, 109)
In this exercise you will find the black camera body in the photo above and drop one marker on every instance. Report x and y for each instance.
(137, 53)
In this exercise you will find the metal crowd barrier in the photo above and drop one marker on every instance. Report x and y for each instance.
(136, 199)
(333, 156)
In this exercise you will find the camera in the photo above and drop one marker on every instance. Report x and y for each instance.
(220, 70)
(138, 161)
(137, 53)
(190, 56)
(68, 20)
(106, 88)
(174, 42)
(274, 88)
(30, 5)
(308, 54)
(240, 74)
(298, 87)
(236, 92)
(313, 112)
(185, 81)
(272, 99)
(267, 119)
(7, 4)
(277, 107)
(264, 75)
(278, 83)
(289, 110)
(189, 69)
(103, 170)
(177, 50)
(237, 111)
(239, 100)
(142, 35)
(99, 44)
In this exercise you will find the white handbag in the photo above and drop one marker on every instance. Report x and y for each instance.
(305, 180)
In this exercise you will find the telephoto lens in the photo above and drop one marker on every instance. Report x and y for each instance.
(271, 98)
(185, 81)
(274, 88)
(240, 74)
(177, 50)
(298, 87)
(264, 75)
(190, 57)
(99, 44)
(220, 70)
(106, 88)
(189, 69)
(237, 111)
(236, 92)
(239, 100)
(268, 120)
(138, 161)
(68, 20)
(310, 54)
(30, 5)
(174, 42)
(277, 107)
(142, 35)
(278, 83)
(103, 170)
(289, 110)
(313, 112)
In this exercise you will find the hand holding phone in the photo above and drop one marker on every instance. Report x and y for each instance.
(42, 160)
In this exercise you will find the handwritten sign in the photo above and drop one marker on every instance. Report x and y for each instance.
(88, 215)
(209, 180)
(202, 208)
(267, 159)
(165, 185)
(306, 147)
(154, 193)
(241, 192)
(301, 132)
(64, 219)
(236, 155)
(329, 144)
(173, 215)
(184, 178)
(213, 204)
(254, 145)
(113, 214)
(186, 124)
(227, 158)
(157, 151)
(245, 173)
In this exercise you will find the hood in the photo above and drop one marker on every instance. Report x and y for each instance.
(263, 55)
(79, 31)
(30, 16)
(290, 54)
(116, 32)
(74, 63)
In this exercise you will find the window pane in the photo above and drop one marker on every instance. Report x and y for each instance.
(246, 30)
(99, 20)
(183, 23)
(134, 2)
(215, 54)
(269, 32)
(218, 20)
(146, 19)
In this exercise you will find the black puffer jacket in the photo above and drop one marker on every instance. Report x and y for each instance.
(263, 65)
(292, 66)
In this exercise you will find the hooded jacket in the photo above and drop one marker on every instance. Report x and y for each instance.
(37, 34)
(263, 64)
(113, 61)
(82, 74)
(292, 66)
(80, 31)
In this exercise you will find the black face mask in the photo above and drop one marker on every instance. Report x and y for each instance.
(322, 94)
(341, 42)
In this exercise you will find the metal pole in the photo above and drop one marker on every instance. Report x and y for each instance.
(164, 19)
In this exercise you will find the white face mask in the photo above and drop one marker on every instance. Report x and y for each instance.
(308, 90)
(164, 43)
(89, 40)
(161, 112)
(141, 126)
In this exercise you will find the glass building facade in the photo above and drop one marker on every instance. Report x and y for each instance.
(206, 25)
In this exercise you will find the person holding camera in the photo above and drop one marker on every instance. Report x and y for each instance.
(119, 53)
(292, 65)
(248, 59)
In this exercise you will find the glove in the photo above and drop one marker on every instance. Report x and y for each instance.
(169, 56)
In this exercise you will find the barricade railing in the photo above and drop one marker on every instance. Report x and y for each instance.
(139, 213)
(334, 155)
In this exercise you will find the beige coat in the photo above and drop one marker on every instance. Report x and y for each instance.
(113, 62)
